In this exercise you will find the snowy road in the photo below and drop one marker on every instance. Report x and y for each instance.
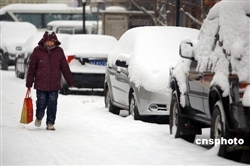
(87, 134)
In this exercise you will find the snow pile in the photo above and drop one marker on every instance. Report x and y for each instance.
(150, 52)
(229, 22)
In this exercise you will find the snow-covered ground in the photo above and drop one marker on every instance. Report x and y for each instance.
(87, 134)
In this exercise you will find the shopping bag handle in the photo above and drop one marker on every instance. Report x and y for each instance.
(28, 93)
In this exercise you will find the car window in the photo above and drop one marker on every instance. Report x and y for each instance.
(78, 31)
(64, 30)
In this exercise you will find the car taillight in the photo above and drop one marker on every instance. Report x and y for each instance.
(70, 58)
(243, 86)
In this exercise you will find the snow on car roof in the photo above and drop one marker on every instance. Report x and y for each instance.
(150, 52)
(43, 8)
(11, 36)
(9, 29)
(88, 45)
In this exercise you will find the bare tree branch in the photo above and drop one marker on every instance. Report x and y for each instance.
(191, 17)
(144, 10)
(194, 10)
(203, 13)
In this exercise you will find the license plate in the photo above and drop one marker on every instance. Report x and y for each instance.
(98, 62)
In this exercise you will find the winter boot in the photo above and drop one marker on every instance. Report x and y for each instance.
(50, 127)
(38, 122)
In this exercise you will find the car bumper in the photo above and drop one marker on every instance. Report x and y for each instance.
(151, 103)
(89, 80)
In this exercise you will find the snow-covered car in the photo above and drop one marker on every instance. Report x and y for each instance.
(87, 58)
(25, 52)
(13, 34)
(211, 86)
(137, 74)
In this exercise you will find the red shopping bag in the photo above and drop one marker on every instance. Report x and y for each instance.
(27, 111)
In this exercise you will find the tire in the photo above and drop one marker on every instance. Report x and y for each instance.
(108, 103)
(4, 60)
(177, 122)
(133, 108)
(219, 130)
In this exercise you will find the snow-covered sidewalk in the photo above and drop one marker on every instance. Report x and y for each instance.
(87, 134)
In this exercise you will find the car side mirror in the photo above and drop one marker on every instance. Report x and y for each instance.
(121, 63)
(186, 50)
(19, 48)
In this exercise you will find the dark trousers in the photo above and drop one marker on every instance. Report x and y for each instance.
(46, 99)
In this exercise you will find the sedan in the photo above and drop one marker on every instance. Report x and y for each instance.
(87, 58)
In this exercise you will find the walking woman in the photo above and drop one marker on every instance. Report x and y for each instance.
(46, 66)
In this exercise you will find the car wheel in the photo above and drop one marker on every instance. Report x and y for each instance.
(177, 122)
(4, 60)
(220, 130)
(133, 108)
(108, 103)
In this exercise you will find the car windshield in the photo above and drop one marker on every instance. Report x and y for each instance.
(78, 31)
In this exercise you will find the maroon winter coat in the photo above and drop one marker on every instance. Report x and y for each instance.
(47, 65)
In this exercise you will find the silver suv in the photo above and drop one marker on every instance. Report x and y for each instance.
(215, 91)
